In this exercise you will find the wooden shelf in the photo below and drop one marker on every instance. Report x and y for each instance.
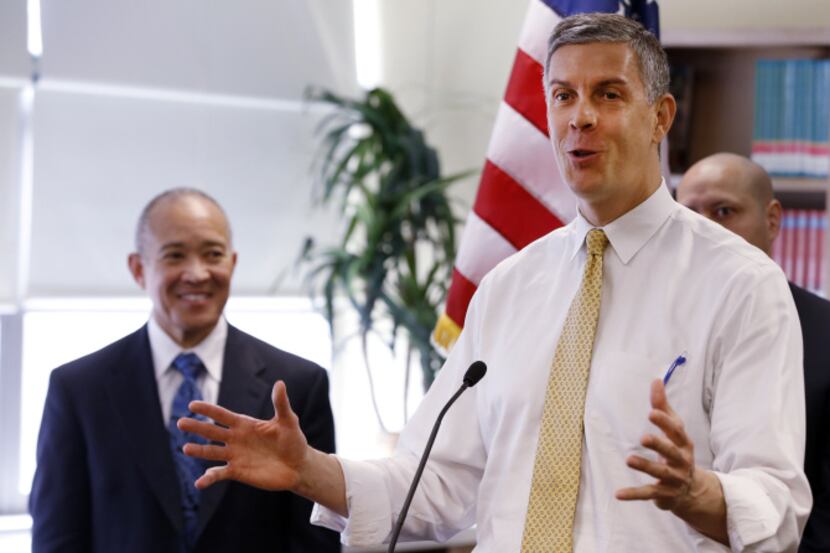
(786, 184)
(746, 38)
(718, 69)
(719, 110)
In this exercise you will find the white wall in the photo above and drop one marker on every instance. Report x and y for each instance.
(743, 14)
(448, 63)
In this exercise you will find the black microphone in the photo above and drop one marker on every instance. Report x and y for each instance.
(474, 373)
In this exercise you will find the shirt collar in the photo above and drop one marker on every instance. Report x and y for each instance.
(632, 230)
(211, 350)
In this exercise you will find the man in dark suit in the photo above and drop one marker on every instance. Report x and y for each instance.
(737, 193)
(110, 472)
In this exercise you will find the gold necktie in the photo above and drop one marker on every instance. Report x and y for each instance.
(555, 485)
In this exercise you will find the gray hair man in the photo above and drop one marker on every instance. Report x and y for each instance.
(637, 357)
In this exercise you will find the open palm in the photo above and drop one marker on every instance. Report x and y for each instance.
(267, 454)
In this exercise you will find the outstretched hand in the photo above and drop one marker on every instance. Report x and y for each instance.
(675, 469)
(267, 454)
(692, 493)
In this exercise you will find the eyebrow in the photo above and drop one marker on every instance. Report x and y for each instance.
(604, 82)
(207, 243)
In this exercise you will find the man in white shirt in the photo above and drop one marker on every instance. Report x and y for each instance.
(717, 449)
(737, 193)
(93, 489)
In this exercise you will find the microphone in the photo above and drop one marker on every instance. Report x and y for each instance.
(474, 373)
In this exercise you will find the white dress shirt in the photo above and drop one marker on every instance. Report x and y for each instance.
(211, 351)
(674, 282)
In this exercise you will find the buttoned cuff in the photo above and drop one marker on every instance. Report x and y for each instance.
(369, 521)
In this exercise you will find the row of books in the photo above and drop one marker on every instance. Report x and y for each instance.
(791, 134)
(799, 248)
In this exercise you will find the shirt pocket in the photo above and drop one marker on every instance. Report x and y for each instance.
(618, 401)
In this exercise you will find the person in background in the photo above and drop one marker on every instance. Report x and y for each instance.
(737, 193)
(644, 388)
(111, 475)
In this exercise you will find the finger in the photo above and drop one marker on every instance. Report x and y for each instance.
(665, 448)
(211, 411)
(282, 407)
(662, 472)
(639, 493)
(205, 429)
(209, 452)
(211, 476)
(646, 493)
(658, 397)
(671, 425)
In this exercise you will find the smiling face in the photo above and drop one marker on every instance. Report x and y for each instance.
(605, 133)
(185, 264)
(733, 191)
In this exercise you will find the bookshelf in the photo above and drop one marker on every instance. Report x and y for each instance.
(716, 102)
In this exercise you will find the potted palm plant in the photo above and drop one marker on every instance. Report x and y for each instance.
(396, 255)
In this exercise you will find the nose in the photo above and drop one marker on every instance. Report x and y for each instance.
(584, 115)
(195, 271)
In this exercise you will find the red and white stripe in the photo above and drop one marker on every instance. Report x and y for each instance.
(521, 195)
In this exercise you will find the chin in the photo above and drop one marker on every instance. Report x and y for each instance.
(585, 187)
(198, 324)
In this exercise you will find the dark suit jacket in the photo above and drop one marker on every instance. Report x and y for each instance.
(105, 479)
(814, 313)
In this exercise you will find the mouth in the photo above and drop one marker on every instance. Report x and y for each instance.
(195, 297)
(583, 157)
(580, 153)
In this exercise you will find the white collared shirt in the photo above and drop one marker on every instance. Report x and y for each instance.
(211, 351)
(673, 282)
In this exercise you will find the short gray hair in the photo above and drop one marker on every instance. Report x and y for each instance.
(143, 226)
(610, 28)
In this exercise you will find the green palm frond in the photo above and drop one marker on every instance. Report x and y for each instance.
(397, 251)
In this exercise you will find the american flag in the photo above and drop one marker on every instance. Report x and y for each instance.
(521, 195)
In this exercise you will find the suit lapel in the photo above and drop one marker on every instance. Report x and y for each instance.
(135, 399)
(242, 390)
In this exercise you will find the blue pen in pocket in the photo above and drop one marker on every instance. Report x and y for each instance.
(681, 359)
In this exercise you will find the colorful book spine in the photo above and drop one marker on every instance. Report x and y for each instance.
(800, 249)
(791, 134)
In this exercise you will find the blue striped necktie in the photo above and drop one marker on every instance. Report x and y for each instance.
(188, 469)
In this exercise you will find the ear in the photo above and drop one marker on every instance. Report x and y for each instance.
(136, 266)
(666, 108)
(774, 212)
(233, 261)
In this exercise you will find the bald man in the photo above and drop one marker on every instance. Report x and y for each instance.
(95, 490)
(737, 193)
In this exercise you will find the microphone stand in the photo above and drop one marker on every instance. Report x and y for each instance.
(471, 378)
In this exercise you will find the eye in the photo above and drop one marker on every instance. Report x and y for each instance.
(173, 255)
(723, 212)
(560, 96)
(215, 254)
(611, 95)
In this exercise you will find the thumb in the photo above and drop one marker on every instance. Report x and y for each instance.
(282, 407)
